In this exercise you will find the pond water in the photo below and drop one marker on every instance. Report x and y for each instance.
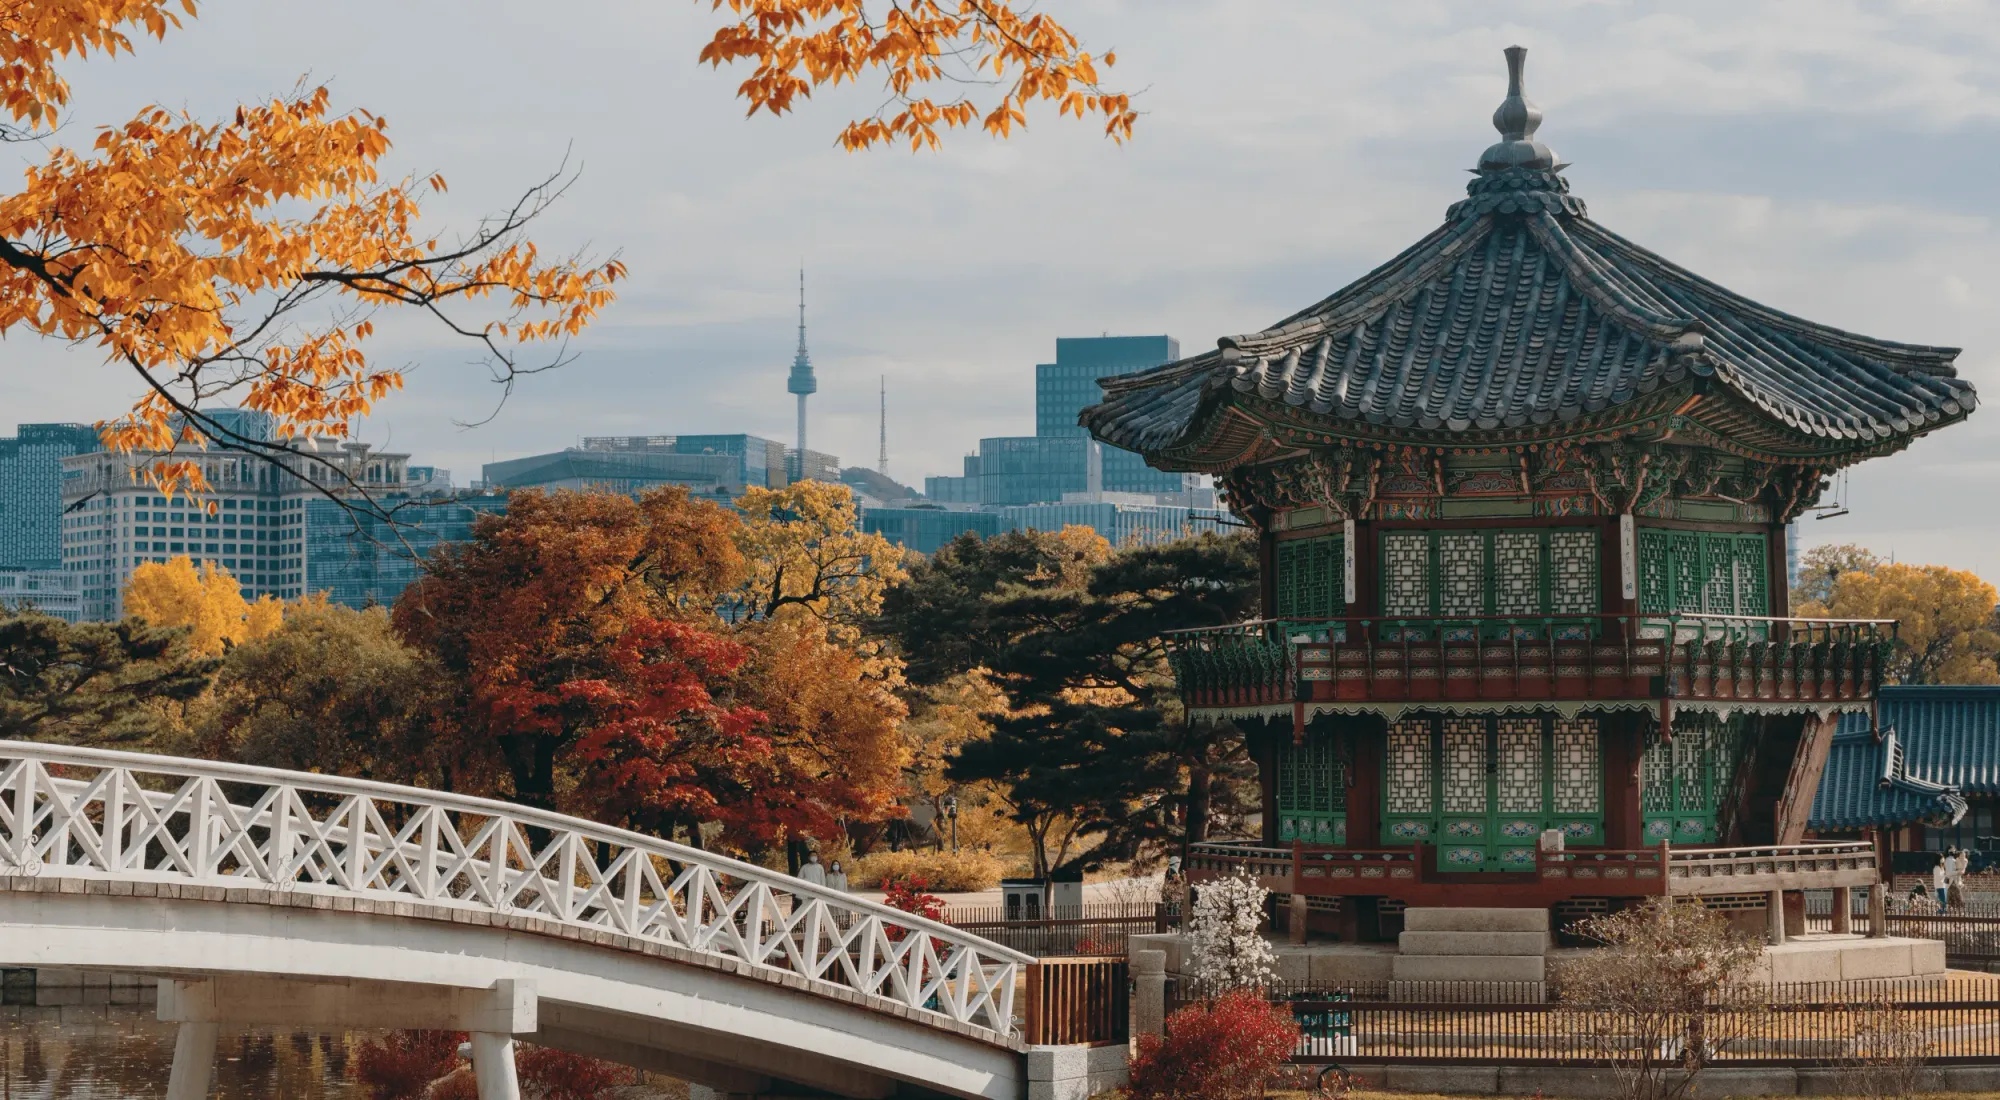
(116, 1052)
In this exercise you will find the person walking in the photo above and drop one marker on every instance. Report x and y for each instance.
(836, 877)
(1961, 861)
(1941, 878)
(812, 872)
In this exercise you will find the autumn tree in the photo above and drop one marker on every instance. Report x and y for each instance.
(91, 683)
(205, 600)
(535, 602)
(1945, 620)
(590, 664)
(1820, 570)
(332, 689)
(807, 555)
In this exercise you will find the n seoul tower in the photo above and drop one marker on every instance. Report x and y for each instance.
(802, 381)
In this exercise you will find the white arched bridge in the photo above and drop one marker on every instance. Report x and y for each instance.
(267, 897)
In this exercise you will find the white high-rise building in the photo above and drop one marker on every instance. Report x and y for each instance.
(113, 519)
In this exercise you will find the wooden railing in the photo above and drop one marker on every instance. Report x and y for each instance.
(1574, 872)
(1388, 659)
(1078, 1000)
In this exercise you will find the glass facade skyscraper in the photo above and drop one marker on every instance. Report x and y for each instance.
(1065, 387)
(359, 559)
(31, 492)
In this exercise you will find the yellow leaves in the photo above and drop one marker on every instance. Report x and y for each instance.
(799, 45)
(206, 600)
(809, 556)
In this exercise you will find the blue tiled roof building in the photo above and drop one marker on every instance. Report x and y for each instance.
(1928, 778)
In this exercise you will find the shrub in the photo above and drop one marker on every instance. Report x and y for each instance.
(1225, 1050)
(402, 1064)
(1228, 950)
(953, 872)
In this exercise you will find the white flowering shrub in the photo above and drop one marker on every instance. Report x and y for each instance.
(1227, 950)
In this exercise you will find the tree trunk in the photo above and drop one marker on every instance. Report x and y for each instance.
(1201, 790)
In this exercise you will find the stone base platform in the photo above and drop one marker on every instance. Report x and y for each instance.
(1824, 957)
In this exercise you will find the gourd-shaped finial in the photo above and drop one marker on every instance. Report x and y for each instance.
(1517, 119)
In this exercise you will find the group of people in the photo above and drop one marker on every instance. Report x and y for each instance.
(1947, 883)
(834, 876)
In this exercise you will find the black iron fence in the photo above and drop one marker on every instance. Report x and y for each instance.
(1932, 1021)
(1970, 931)
(1095, 928)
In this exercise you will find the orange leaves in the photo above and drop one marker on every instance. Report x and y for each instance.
(799, 45)
(241, 261)
(33, 35)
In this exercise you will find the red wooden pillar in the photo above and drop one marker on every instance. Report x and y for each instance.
(1364, 797)
(1622, 735)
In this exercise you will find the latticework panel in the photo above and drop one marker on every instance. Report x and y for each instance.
(1517, 573)
(1688, 576)
(1309, 583)
(1578, 782)
(1408, 790)
(1753, 595)
(1574, 578)
(1520, 749)
(1461, 574)
(1406, 573)
(1465, 765)
(1656, 586)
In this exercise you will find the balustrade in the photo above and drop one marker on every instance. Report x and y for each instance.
(1682, 656)
(88, 814)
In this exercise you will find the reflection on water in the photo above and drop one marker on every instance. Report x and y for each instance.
(112, 1052)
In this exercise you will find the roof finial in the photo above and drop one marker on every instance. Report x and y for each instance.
(1517, 119)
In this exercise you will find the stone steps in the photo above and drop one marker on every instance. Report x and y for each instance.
(1472, 945)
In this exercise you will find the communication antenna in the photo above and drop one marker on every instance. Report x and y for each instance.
(882, 461)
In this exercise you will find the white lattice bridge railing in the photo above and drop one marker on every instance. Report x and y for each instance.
(96, 814)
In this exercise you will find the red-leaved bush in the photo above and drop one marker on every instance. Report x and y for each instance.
(1224, 1050)
(424, 1065)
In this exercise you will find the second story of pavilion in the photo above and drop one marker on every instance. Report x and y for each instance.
(1528, 458)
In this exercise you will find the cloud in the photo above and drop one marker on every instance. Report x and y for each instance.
(1831, 158)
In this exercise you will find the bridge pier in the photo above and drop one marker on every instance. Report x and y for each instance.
(194, 1060)
(493, 1066)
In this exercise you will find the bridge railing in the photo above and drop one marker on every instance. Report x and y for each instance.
(133, 817)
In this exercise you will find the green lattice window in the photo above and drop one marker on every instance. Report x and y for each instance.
(1310, 581)
(1489, 574)
(1312, 793)
(1683, 782)
(1703, 572)
(1483, 788)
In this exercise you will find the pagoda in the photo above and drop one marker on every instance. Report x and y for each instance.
(1521, 495)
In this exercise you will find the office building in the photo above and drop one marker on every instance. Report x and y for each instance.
(713, 467)
(361, 558)
(1131, 521)
(1032, 469)
(250, 521)
(925, 528)
(811, 465)
(1067, 386)
(52, 592)
(31, 491)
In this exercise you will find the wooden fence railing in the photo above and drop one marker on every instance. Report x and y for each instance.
(1079, 1000)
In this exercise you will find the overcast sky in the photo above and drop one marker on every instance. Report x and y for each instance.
(1836, 160)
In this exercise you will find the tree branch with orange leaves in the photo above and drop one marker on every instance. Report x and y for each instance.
(800, 45)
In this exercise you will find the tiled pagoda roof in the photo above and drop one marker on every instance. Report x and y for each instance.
(1521, 319)
(1938, 745)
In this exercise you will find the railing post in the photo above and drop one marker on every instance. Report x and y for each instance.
(1878, 910)
(1149, 993)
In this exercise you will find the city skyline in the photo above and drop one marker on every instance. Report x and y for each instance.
(1725, 134)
